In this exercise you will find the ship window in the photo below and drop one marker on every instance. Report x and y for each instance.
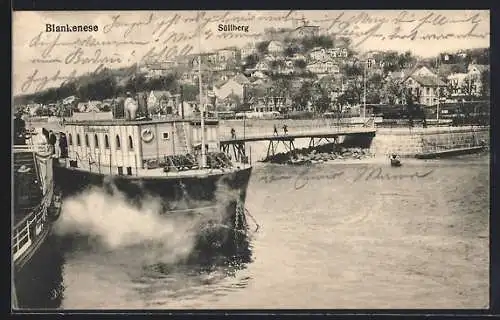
(130, 143)
(165, 135)
(70, 138)
(96, 141)
(118, 144)
(78, 142)
(106, 142)
(87, 140)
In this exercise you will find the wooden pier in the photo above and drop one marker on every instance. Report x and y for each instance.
(236, 146)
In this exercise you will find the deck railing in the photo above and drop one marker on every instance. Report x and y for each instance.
(37, 148)
(22, 236)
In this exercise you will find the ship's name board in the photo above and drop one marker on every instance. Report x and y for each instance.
(96, 129)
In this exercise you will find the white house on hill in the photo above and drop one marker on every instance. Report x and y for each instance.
(235, 86)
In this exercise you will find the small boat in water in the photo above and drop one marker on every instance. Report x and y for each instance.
(395, 160)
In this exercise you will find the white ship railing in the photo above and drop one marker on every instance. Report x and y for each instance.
(22, 239)
(37, 148)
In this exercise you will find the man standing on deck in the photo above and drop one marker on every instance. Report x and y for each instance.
(57, 147)
(275, 133)
(52, 141)
(19, 129)
(233, 133)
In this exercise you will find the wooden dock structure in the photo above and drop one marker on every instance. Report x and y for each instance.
(236, 146)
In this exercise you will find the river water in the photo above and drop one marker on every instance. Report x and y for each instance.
(334, 235)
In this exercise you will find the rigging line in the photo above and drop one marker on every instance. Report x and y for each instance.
(254, 220)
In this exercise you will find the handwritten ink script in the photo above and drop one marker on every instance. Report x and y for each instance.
(358, 175)
(46, 59)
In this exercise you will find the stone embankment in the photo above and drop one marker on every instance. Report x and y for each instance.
(327, 152)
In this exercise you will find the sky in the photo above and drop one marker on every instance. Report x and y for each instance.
(44, 59)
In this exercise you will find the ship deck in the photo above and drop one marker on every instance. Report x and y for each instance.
(28, 196)
(157, 173)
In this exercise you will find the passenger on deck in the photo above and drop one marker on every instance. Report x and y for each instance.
(57, 145)
(63, 145)
(19, 130)
(39, 137)
(233, 133)
(275, 132)
(52, 141)
(45, 134)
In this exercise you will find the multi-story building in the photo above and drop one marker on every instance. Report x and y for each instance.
(275, 47)
(234, 86)
(474, 72)
(318, 54)
(456, 82)
(248, 50)
(323, 67)
(262, 66)
(426, 88)
(227, 54)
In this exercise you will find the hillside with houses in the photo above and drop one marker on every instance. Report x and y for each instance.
(296, 69)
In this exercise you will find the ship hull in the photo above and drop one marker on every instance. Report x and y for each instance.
(38, 280)
(32, 226)
(215, 195)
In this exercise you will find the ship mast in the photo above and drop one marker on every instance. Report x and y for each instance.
(202, 106)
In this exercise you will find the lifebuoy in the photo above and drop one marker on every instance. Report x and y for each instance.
(147, 135)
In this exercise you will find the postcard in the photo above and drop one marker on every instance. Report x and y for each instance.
(293, 159)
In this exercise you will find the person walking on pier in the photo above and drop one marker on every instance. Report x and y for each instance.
(275, 133)
(285, 129)
(233, 133)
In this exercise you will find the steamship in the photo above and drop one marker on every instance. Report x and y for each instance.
(175, 159)
(36, 205)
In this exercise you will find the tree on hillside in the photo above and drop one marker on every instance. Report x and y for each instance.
(250, 61)
(478, 55)
(451, 88)
(413, 110)
(291, 50)
(301, 98)
(136, 84)
(354, 90)
(352, 69)
(300, 63)
(66, 89)
(406, 60)
(321, 98)
(189, 92)
(322, 41)
(167, 82)
(348, 97)
(485, 84)
(469, 87)
(46, 96)
(262, 47)
(281, 86)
